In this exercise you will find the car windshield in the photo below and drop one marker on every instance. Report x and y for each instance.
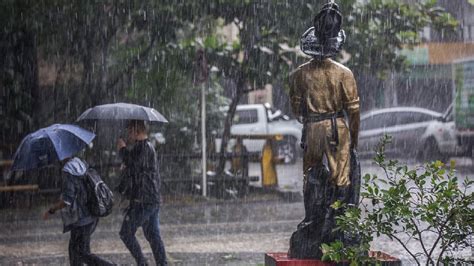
(448, 114)
(245, 117)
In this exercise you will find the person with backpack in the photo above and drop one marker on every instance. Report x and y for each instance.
(75, 205)
(141, 185)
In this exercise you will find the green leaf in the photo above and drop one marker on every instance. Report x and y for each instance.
(236, 46)
(438, 164)
(336, 205)
(211, 42)
(452, 164)
(366, 178)
(326, 257)
(370, 190)
(325, 248)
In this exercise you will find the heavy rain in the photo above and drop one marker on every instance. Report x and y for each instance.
(203, 123)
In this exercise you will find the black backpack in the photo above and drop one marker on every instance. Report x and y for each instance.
(100, 198)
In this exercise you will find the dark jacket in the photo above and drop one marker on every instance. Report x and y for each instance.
(140, 179)
(74, 194)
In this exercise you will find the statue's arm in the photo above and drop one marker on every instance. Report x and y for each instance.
(296, 95)
(351, 106)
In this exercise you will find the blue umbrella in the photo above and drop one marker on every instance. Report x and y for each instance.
(50, 144)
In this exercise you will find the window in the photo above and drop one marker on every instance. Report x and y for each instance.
(448, 115)
(388, 120)
(413, 117)
(245, 117)
(393, 119)
(367, 123)
(378, 121)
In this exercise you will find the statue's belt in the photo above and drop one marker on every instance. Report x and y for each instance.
(314, 118)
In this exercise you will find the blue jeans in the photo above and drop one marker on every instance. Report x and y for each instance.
(79, 246)
(146, 216)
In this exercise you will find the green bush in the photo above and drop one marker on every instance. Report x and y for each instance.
(407, 205)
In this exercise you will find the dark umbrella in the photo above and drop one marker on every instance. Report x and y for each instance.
(50, 144)
(122, 111)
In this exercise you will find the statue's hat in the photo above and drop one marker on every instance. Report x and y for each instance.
(326, 38)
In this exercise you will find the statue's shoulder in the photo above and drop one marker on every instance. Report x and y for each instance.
(305, 65)
(342, 68)
(301, 68)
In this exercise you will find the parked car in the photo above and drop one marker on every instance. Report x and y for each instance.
(416, 132)
(259, 120)
(440, 138)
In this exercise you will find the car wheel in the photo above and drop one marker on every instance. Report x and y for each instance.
(430, 152)
(287, 150)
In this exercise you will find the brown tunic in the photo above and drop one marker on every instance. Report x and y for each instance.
(326, 87)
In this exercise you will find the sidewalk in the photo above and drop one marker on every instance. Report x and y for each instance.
(196, 231)
(178, 259)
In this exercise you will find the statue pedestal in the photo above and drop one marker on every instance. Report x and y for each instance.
(281, 259)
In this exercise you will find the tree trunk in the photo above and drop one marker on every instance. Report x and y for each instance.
(228, 123)
(249, 34)
(27, 63)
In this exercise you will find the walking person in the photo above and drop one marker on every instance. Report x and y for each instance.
(141, 184)
(76, 216)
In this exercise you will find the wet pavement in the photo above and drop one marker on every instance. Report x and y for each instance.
(215, 233)
(195, 231)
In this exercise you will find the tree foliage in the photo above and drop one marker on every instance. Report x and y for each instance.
(144, 51)
(428, 205)
(379, 29)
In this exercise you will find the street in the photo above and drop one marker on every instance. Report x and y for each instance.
(195, 231)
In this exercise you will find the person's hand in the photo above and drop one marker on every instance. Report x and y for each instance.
(46, 214)
(121, 144)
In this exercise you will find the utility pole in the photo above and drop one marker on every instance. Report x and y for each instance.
(201, 77)
(203, 139)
